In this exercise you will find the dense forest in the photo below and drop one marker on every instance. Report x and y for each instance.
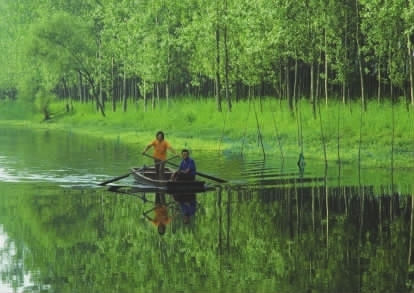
(112, 52)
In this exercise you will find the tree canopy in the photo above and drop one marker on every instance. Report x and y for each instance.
(109, 51)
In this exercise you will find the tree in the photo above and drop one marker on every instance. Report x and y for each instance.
(64, 43)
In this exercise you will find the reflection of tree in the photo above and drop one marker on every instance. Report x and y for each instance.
(261, 240)
(11, 260)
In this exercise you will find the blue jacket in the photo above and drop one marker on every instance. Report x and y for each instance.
(188, 163)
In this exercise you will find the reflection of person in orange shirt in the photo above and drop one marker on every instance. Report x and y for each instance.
(161, 216)
(160, 146)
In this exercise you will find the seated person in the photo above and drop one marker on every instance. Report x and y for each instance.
(187, 169)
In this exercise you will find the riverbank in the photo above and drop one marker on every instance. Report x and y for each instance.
(383, 136)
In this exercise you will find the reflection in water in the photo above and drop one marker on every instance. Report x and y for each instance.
(336, 239)
(188, 205)
(309, 238)
(161, 216)
(12, 268)
(165, 212)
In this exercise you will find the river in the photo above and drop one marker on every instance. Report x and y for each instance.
(271, 228)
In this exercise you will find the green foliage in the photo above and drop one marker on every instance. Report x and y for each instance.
(274, 47)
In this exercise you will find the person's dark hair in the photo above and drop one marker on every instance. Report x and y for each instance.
(185, 151)
(160, 132)
(161, 229)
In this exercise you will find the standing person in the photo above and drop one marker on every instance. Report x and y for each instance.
(160, 146)
(187, 169)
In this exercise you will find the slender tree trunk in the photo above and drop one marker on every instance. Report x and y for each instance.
(100, 95)
(218, 82)
(81, 98)
(343, 92)
(113, 84)
(379, 83)
(124, 92)
(410, 66)
(145, 95)
(361, 71)
(226, 60)
(312, 95)
(167, 93)
(288, 91)
(167, 83)
(316, 77)
(410, 242)
(99, 98)
(326, 70)
(292, 98)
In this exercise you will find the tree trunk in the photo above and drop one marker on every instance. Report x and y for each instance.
(410, 70)
(312, 95)
(379, 83)
(361, 71)
(326, 70)
(113, 85)
(124, 93)
(145, 95)
(218, 82)
(80, 87)
(292, 98)
(226, 62)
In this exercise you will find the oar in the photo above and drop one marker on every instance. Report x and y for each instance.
(203, 175)
(198, 173)
(114, 179)
(126, 175)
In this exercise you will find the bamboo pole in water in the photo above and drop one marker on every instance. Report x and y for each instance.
(222, 132)
(277, 135)
(322, 135)
(392, 146)
(245, 129)
(360, 136)
(299, 124)
(259, 133)
(338, 137)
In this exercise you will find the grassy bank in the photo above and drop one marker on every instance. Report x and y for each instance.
(379, 136)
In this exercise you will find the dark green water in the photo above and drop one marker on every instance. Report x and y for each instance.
(272, 228)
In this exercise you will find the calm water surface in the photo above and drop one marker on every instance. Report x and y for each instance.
(271, 228)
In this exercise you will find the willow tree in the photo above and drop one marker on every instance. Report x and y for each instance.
(63, 43)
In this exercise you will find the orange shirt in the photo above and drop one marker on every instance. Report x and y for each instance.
(161, 216)
(160, 149)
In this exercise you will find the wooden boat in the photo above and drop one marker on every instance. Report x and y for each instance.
(148, 176)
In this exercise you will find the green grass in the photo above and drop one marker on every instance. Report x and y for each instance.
(196, 124)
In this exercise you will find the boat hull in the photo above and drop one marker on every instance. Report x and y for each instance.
(148, 176)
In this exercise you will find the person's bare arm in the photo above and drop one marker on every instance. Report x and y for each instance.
(146, 148)
(173, 151)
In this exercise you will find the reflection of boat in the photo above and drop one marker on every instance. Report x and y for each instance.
(148, 176)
